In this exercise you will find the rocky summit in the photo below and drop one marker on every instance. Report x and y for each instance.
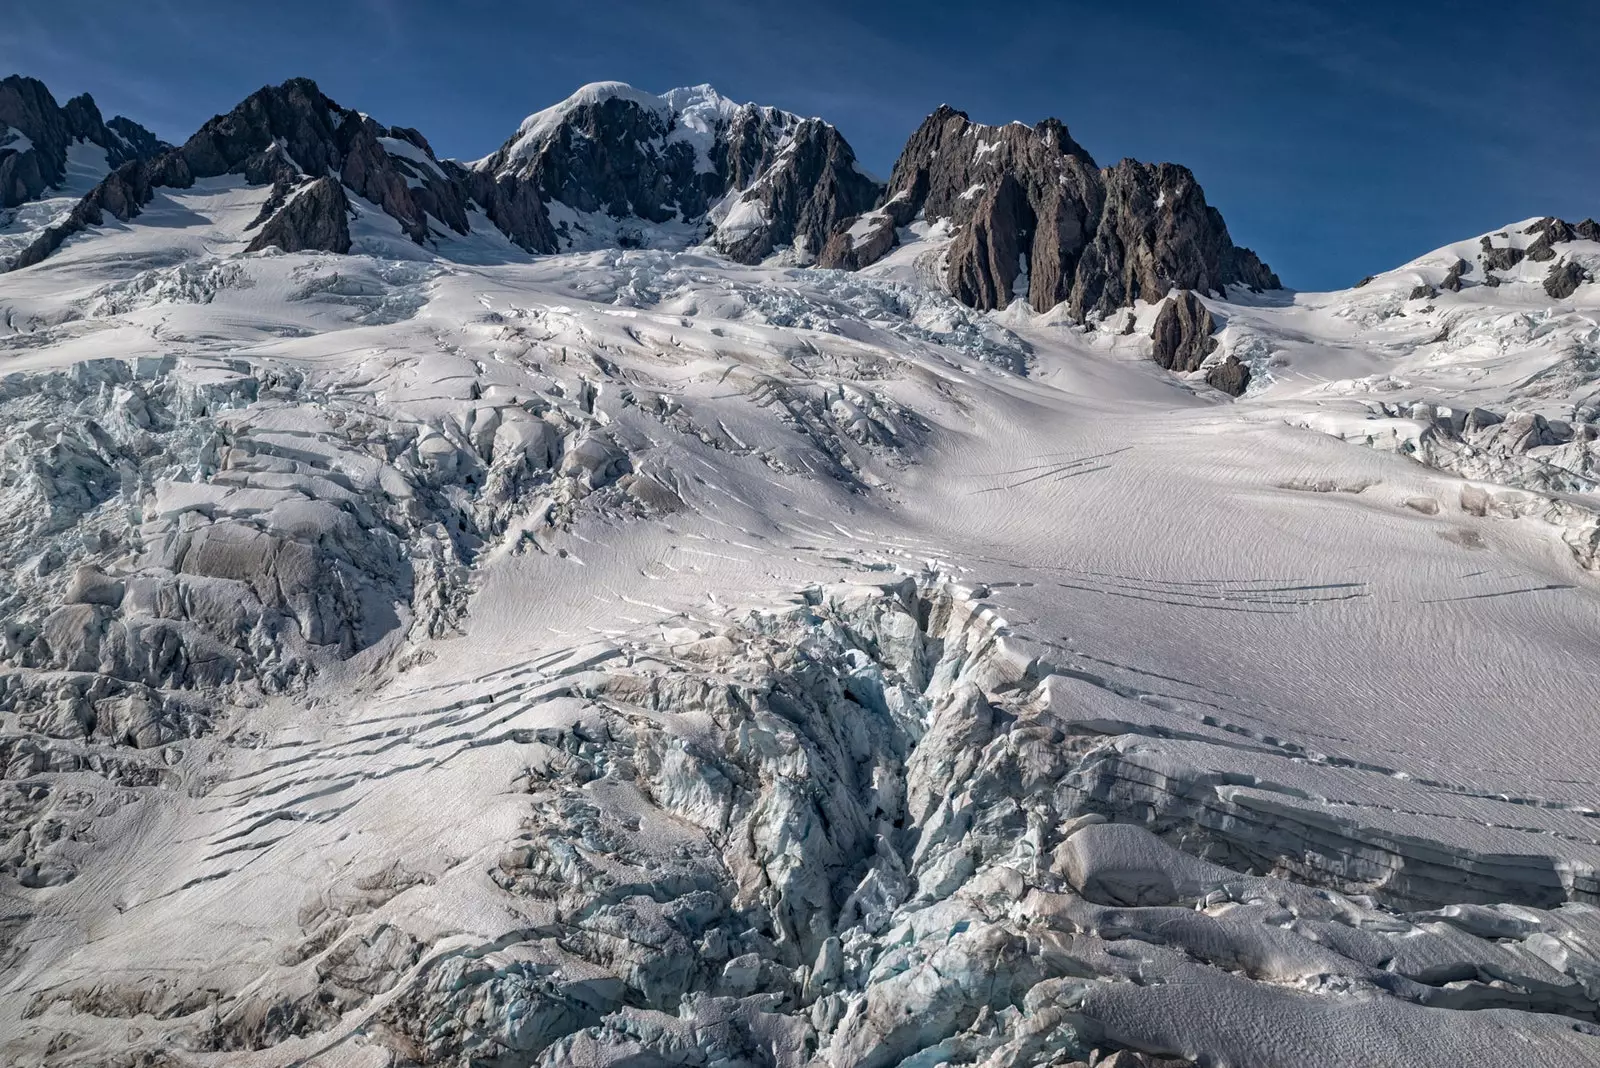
(1025, 213)
(1036, 219)
(37, 135)
(657, 596)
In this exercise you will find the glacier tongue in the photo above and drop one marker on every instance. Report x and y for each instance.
(853, 830)
(398, 667)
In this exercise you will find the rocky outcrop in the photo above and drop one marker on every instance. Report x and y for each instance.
(36, 157)
(800, 199)
(1031, 202)
(122, 194)
(753, 180)
(617, 162)
(1182, 333)
(868, 238)
(1230, 376)
(1452, 279)
(606, 150)
(1564, 279)
(987, 259)
(281, 132)
(314, 217)
(1499, 259)
(285, 135)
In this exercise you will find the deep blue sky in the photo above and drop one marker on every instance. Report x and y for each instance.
(1337, 139)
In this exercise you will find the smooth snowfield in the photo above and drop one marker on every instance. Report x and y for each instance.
(788, 639)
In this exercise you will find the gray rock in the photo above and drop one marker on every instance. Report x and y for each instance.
(315, 217)
(1542, 250)
(1230, 376)
(812, 187)
(1564, 279)
(1098, 239)
(1452, 280)
(988, 257)
(1182, 333)
(276, 135)
(27, 106)
(1422, 292)
(1499, 259)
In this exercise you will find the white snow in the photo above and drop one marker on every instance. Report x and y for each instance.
(14, 140)
(397, 146)
(538, 127)
(1238, 622)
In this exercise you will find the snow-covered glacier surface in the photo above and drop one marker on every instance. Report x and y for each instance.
(629, 658)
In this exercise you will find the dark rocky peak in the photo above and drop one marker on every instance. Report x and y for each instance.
(750, 145)
(670, 169)
(949, 157)
(290, 136)
(1155, 233)
(291, 132)
(1035, 217)
(36, 134)
(797, 199)
(294, 116)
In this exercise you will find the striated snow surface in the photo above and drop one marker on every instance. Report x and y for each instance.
(631, 658)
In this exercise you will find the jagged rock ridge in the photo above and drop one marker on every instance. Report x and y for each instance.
(288, 135)
(610, 166)
(1037, 219)
(36, 133)
(753, 180)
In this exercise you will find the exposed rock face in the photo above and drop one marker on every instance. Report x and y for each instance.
(800, 199)
(122, 193)
(1099, 239)
(286, 135)
(988, 258)
(1230, 376)
(1452, 280)
(607, 152)
(41, 132)
(616, 163)
(1182, 333)
(1499, 259)
(679, 159)
(1564, 279)
(314, 217)
(282, 132)
(1425, 291)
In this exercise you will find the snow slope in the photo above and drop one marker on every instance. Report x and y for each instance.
(632, 657)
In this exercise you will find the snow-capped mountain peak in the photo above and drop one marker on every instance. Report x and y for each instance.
(419, 651)
(542, 125)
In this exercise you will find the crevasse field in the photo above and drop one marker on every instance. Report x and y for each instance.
(704, 664)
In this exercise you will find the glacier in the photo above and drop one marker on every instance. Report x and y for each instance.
(440, 654)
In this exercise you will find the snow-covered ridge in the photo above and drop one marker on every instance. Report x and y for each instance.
(438, 654)
(692, 113)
